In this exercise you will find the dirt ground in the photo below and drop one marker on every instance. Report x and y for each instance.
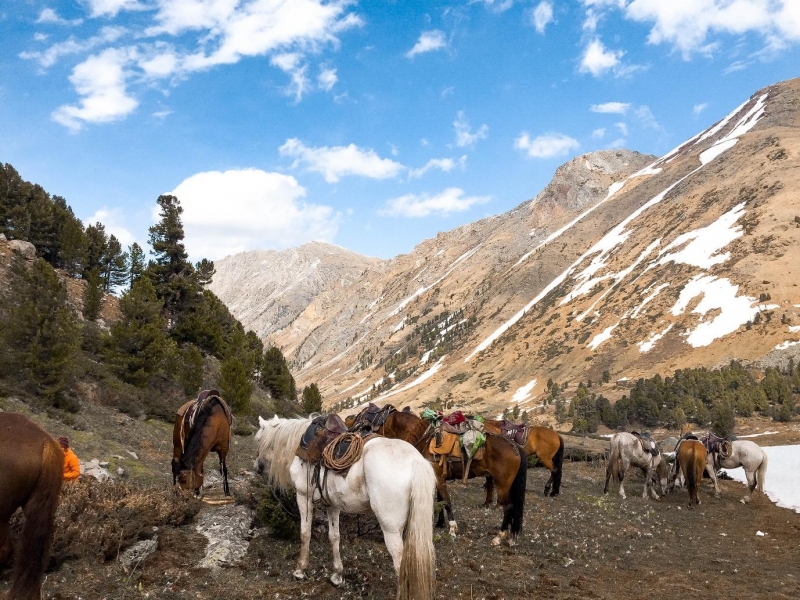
(579, 545)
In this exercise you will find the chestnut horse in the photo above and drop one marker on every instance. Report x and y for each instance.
(690, 458)
(547, 445)
(502, 461)
(197, 433)
(31, 474)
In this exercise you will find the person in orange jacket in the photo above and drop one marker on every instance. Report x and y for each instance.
(72, 466)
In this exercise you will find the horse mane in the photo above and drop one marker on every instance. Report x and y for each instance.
(277, 443)
(194, 444)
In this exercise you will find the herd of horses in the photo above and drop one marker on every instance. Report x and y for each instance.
(392, 474)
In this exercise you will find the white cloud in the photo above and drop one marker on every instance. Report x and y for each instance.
(162, 114)
(623, 128)
(464, 134)
(619, 108)
(40, 37)
(597, 59)
(497, 6)
(541, 16)
(428, 41)
(687, 25)
(327, 78)
(339, 161)
(447, 91)
(49, 57)
(232, 211)
(113, 220)
(646, 118)
(110, 8)
(291, 64)
(599, 133)
(443, 164)
(699, 108)
(423, 142)
(451, 200)
(50, 17)
(618, 143)
(100, 80)
(549, 145)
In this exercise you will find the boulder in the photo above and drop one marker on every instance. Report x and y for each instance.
(93, 469)
(24, 249)
(134, 555)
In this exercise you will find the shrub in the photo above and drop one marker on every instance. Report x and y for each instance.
(278, 511)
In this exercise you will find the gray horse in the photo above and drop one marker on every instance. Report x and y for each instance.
(746, 454)
(626, 451)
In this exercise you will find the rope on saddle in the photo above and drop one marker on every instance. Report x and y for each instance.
(349, 458)
(725, 449)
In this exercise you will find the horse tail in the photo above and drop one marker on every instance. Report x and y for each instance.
(558, 461)
(40, 511)
(516, 494)
(761, 472)
(417, 578)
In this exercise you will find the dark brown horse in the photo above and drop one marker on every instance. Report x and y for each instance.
(690, 458)
(31, 474)
(201, 426)
(547, 445)
(502, 461)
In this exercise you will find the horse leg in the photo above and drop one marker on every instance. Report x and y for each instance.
(306, 507)
(711, 469)
(751, 485)
(548, 464)
(649, 484)
(623, 470)
(333, 536)
(489, 487)
(443, 492)
(223, 468)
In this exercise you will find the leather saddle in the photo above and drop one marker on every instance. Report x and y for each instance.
(322, 431)
(372, 417)
(717, 445)
(516, 432)
(648, 445)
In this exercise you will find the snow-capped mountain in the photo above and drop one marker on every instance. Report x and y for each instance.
(623, 263)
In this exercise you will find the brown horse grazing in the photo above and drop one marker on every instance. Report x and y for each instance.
(31, 474)
(502, 461)
(690, 458)
(201, 426)
(546, 444)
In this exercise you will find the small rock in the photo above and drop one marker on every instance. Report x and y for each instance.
(137, 553)
(120, 471)
(104, 464)
(133, 454)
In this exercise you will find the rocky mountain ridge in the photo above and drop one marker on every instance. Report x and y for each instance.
(623, 266)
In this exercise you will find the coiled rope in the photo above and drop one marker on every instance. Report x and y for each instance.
(349, 458)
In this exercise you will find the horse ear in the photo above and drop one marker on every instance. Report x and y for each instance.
(261, 422)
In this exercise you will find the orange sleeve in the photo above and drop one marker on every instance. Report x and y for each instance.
(72, 466)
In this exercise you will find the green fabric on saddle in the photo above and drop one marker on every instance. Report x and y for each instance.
(472, 441)
(430, 415)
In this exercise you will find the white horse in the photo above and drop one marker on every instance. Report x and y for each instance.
(391, 479)
(626, 451)
(746, 454)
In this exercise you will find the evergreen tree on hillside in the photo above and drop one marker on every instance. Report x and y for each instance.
(72, 245)
(275, 375)
(172, 274)
(96, 248)
(139, 345)
(191, 370)
(114, 265)
(135, 263)
(39, 337)
(235, 384)
(312, 399)
(93, 295)
(205, 272)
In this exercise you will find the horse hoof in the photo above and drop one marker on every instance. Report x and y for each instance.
(299, 574)
(496, 541)
(511, 542)
(717, 496)
(337, 579)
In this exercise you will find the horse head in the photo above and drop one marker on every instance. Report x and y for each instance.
(190, 479)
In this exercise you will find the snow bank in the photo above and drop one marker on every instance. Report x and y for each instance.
(782, 483)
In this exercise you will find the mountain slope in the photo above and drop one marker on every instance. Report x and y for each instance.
(622, 264)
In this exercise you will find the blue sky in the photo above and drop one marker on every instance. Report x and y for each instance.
(372, 125)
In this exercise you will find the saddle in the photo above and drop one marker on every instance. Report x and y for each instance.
(372, 417)
(516, 432)
(322, 431)
(455, 422)
(189, 411)
(648, 445)
(463, 443)
(717, 445)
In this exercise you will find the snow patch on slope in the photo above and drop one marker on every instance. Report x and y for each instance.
(524, 392)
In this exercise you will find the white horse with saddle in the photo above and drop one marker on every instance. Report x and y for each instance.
(390, 478)
(725, 454)
(629, 450)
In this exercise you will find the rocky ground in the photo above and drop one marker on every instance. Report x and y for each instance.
(580, 545)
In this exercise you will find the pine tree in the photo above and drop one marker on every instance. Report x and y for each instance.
(96, 247)
(191, 370)
(312, 399)
(172, 274)
(205, 272)
(275, 375)
(139, 344)
(39, 336)
(114, 265)
(93, 295)
(136, 263)
(72, 247)
(235, 384)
